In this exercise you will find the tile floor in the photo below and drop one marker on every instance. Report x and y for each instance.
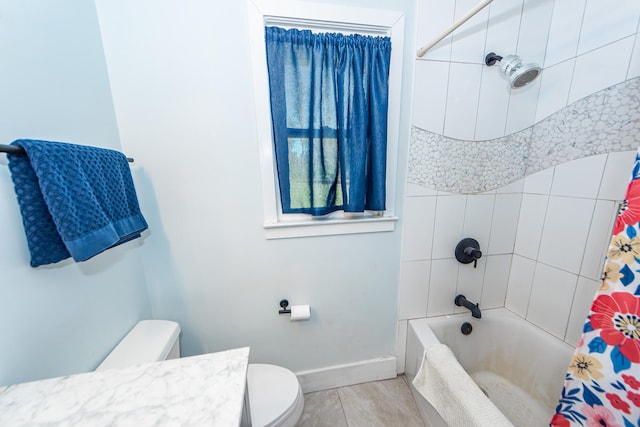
(386, 403)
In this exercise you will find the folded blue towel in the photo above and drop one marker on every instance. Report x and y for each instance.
(75, 200)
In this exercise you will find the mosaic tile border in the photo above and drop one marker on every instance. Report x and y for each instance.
(606, 121)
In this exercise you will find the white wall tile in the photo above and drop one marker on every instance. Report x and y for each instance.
(434, 17)
(579, 178)
(554, 89)
(504, 224)
(442, 286)
(447, 193)
(504, 26)
(564, 32)
(414, 288)
(496, 280)
(469, 39)
(539, 182)
(634, 63)
(514, 187)
(534, 30)
(551, 297)
(522, 107)
(592, 74)
(462, 100)
(606, 21)
(430, 95)
(477, 218)
(492, 105)
(585, 292)
(401, 345)
(598, 240)
(530, 224)
(470, 281)
(617, 174)
(419, 220)
(520, 282)
(448, 225)
(566, 228)
(415, 190)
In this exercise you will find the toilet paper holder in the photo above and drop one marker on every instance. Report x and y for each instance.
(297, 312)
(284, 304)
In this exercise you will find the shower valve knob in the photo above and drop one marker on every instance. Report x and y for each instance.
(468, 251)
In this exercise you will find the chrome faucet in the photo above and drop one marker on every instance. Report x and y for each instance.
(462, 301)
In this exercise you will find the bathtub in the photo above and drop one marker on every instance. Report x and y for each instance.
(519, 367)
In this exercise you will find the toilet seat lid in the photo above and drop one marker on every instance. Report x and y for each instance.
(274, 394)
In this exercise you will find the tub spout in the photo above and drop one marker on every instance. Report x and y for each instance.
(462, 301)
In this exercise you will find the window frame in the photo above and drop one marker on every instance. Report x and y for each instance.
(322, 18)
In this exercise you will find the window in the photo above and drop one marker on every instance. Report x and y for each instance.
(329, 96)
(320, 19)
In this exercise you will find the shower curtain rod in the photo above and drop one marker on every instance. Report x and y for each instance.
(14, 149)
(477, 8)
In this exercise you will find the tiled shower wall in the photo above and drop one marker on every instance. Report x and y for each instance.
(544, 236)
(583, 45)
(563, 234)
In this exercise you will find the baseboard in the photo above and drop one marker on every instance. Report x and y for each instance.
(349, 374)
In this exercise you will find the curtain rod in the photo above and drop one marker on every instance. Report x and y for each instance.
(14, 149)
(477, 8)
(324, 26)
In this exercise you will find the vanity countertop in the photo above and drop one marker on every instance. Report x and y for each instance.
(208, 389)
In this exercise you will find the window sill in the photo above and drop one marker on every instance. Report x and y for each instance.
(325, 227)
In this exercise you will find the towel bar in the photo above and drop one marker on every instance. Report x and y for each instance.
(14, 149)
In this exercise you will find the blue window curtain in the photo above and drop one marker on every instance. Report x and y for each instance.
(329, 97)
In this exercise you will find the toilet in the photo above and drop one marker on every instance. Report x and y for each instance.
(275, 395)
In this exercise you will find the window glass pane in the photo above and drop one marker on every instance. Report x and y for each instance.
(326, 183)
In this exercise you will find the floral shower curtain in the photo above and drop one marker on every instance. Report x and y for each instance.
(602, 384)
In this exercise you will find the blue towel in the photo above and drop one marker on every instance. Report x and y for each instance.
(75, 200)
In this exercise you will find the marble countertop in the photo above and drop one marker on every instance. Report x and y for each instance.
(200, 390)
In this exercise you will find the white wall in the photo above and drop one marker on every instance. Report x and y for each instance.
(63, 318)
(181, 80)
(457, 96)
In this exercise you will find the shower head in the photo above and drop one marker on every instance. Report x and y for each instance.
(512, 68)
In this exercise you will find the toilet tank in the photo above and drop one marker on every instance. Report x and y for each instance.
(148, 341)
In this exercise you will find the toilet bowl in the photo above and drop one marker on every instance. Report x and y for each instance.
(275, 395)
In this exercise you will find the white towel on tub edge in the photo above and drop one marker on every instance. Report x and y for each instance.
(451, 391)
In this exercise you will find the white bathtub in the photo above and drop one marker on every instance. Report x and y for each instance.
(519, 366)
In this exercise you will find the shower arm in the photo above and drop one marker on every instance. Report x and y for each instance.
(477, 8)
